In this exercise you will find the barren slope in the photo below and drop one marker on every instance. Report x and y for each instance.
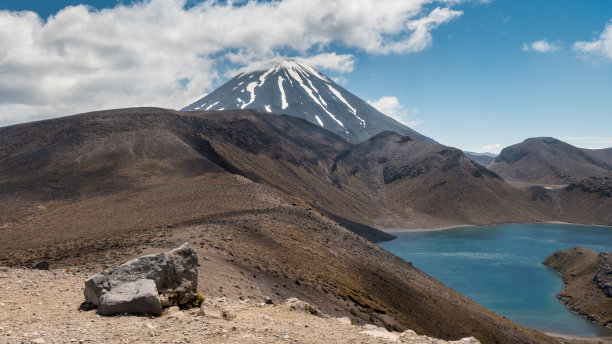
(96, 189)
(550, 161)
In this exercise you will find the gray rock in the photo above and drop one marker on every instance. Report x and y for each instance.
(139, 297)
(603, 273)
(42, 265)
(268, 300)
(175, 275)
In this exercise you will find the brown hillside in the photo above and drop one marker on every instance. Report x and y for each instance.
(588, 201)
(546, 160)
(93, 190)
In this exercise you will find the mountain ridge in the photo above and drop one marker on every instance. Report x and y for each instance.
(551, 161)
(288, 87)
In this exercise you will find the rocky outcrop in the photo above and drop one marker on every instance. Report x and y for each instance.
(598, 186)
(603, 274)
(145, 284)
(296, 304)
(138, 297)
(587, 276)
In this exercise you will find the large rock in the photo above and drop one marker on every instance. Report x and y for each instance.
(175, 275)
(138, 297)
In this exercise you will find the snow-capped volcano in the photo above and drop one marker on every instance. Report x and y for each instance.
(292, 88)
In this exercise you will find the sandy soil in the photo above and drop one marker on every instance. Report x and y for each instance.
(43, 307)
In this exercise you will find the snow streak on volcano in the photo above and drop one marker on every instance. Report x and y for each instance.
(292, 88)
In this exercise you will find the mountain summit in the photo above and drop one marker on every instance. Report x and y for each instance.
(289, 87)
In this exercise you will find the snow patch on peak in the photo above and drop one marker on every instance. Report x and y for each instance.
(211, 106)
(319, 120)
(268, 108)
(297, 77)
(352, 109)
(251, 88)
(314, 72)
(278, 64)
(252, 85)
(282, 91)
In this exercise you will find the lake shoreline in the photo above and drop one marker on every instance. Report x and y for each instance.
(593, 340)
(444, 228)
(506, 259)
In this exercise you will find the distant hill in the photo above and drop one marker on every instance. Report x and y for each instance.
(485, 159)
(286, 86)
(550, 161)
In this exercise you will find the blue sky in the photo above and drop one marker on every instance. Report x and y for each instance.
(484, 76)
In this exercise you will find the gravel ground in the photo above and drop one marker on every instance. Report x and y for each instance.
(43, 307)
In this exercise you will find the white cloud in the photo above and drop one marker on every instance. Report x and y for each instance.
(159, 53)
(541, 46)
(601, 46)
(343, 63)
(339, 80)
(391, 107)
(492, 148)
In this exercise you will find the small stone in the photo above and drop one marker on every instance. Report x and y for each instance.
(38, 341)
(42, 265)
(186, 298)
(268, 300)
(227, 315)
(229, 238)
(175, 313)
(165, 301)
(169, 226)
(345, 320)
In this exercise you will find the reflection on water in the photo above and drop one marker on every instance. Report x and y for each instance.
(501, 268)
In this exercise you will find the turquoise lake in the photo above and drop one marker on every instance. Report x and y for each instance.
(500, 267)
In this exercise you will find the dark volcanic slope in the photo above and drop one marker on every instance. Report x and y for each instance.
(388, 181)
(588, 282)
(418, 184)
(94, 189)
(550, 161)
(289, 87)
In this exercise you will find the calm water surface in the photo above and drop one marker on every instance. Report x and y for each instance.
(501, 268)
